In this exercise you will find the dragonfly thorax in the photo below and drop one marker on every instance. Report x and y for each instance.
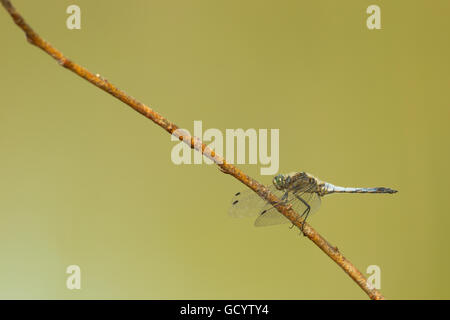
(298, 182)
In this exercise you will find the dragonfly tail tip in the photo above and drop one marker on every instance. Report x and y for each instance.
(387, 190)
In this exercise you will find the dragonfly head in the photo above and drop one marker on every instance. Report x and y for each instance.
(279, 181)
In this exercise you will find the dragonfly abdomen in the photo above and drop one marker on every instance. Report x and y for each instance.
(330, 188)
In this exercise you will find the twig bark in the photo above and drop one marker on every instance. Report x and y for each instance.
(196, 144)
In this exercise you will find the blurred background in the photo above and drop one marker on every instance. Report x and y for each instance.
(87, 181)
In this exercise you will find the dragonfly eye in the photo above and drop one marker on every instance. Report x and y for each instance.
(278, 181)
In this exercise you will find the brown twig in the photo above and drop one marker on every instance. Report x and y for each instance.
(196, 144)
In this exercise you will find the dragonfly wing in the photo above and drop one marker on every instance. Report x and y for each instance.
(248, 203)
(271, 216)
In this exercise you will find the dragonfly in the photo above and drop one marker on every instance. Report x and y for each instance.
(299, 190)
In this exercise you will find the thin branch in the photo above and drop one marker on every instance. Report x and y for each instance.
(196, 144)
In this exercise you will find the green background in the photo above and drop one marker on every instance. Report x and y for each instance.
(85, 180)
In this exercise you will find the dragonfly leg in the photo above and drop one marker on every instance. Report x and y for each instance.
(304, 220)
(305, 213)
(283, 200)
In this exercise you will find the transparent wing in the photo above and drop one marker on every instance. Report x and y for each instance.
(270, 216)
(248, 203)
